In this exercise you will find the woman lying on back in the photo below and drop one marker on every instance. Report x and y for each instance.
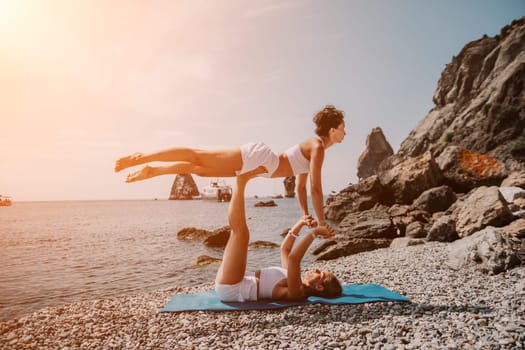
(234, 284)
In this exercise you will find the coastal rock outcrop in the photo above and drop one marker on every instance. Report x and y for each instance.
(204, 260)
(217, 238)
(484, 206)
(270, 203)
(183, 187)
(479, 102)
(349, 247)
(408, 179)
(488, 250)
(359, 232)
(357, 197)
(377, 149)
(443, 230)
(464, 170)
(516, 178)
(435, 199)
(461, 171)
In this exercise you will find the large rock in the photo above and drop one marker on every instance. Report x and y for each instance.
(358, 197)
(512, 193)
(192, 233)
(183, 187)
(443, 230)
(465, 170)
(409, 179)
(351, 246)
(416, 229)
(403, 215)
(515, 228)
(489, 251)
(515, 178)
(373, 223)
(435, 199)
(218, 238)
(377, 149)
(484, 206)
(359, 232)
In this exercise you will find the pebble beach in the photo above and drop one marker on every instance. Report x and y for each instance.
(448, 310)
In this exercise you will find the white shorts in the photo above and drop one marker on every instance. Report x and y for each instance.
(245, 290)
(256, 154)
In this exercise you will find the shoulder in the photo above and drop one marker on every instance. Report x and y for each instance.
(281, 292)
(312, 144)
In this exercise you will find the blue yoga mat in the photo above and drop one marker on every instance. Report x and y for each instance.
(352, 294)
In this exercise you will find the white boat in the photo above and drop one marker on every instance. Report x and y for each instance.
(217, 190)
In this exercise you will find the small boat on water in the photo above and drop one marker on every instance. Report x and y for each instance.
(217, 190)
(5, 201)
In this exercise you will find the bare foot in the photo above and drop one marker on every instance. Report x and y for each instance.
(142, 174)
(126, 162)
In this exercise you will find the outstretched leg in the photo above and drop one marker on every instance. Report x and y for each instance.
(222, 160)
(148, 171)
(235, 256)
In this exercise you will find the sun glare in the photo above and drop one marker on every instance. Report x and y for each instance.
(9, 11)
(10, 14)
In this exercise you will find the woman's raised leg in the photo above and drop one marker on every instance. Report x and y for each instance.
(148, 171)
(235, 256)
(222, 160)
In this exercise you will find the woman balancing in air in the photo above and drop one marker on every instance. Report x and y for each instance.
(234, 284)
(301, 159)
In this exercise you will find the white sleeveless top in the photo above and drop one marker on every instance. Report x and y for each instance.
(268, 278)
(298, 162)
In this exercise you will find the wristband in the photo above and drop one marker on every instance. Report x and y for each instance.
(292, 234)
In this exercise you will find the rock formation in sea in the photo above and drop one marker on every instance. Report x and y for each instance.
(183, 187)
(289, 187)
(270, 203)
(459, 174)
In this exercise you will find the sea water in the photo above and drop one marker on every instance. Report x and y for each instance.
(54, 253)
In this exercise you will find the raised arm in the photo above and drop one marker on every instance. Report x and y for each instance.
(289, 240)
(300, 191)
(316, 186)
(295, 285)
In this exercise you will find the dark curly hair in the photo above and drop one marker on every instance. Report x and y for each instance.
(332, 289)
(327, 118)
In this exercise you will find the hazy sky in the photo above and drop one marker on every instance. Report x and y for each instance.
(84, 82)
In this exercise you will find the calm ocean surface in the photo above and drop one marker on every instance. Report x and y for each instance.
(54, 253)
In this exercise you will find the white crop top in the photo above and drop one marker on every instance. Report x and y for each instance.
(269, 277)
(298, 162)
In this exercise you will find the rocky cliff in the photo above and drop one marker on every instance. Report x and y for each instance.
(183, 187)
(479, 102)
(452, 175)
